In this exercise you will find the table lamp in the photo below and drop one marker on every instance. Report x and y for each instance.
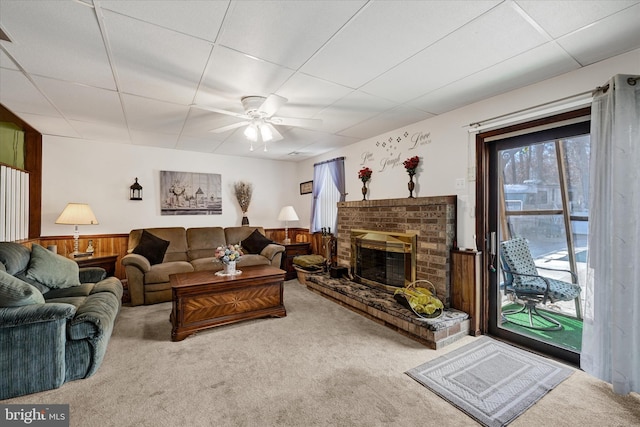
(287, 214)
(76, 214)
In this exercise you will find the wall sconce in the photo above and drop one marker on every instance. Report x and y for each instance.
(135, 191)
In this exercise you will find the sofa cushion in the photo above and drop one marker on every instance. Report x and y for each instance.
(14, 256)
(52, 270)
(160, 273)
(203, 241)
(255, 243)
(151, 247)
(16, 293)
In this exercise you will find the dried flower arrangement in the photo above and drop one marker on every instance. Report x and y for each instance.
(244, 191)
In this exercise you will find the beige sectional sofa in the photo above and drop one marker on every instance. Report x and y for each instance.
(189, 250)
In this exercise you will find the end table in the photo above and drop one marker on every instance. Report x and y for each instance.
(104, 260)
(292, 250)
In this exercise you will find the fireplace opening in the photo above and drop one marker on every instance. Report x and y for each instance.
(383, 259)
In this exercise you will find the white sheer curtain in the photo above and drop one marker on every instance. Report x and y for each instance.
(611, 334)
(325, 174)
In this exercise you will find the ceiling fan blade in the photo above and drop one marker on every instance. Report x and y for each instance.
(229, 127)
(277, 136)
(226, 112)
(292, 121)
(272, 104)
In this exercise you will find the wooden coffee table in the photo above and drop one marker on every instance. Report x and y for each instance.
(203, 300)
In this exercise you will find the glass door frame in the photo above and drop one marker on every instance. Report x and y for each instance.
(487, 221)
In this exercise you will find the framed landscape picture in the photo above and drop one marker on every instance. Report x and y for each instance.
(187, 193)
(306, 187)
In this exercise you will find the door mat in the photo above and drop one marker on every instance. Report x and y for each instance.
(491, 381)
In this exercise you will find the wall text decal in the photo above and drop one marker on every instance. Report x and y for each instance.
(387, 153)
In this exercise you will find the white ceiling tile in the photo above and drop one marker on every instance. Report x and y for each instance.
(597, 42)
(155, 62)
(202, 145)
(351, 110)
(20, 95)
(389, 120)
(569, 15)
(71, 35)
(84, 103)
(196, 18)
(231, 75)
(156, 116)
(538, 64)
(495, 36)
(154, 139)
(48, 125)
(199, 123)
(98, 131)
(384, 34)
(5, 61)
(307, 95)
(284, 32)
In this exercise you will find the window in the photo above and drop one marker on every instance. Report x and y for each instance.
(328, 190)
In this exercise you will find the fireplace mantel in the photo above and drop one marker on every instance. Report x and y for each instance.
(432, 219)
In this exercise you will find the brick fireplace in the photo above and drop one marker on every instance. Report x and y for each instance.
(431, 219)
(416, 236)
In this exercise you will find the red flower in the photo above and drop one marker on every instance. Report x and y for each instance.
(365, 174)
(411, 164)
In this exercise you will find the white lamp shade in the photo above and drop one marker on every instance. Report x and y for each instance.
(288, 214)
(77, 214)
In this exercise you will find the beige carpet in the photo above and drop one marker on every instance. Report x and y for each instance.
(320, 365)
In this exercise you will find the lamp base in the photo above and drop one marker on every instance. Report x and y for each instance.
(286, 241)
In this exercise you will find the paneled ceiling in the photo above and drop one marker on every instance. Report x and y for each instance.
(137, 72)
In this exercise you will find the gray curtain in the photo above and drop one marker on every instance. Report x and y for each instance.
(611, 333)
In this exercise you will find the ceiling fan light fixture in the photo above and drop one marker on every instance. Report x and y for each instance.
(251, 132)
(266, 133)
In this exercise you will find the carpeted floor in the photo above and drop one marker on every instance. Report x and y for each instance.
(322, 365)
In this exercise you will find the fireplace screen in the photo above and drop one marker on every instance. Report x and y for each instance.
(381, 259)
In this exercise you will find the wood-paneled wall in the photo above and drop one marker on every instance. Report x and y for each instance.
(118, 243)
(103, 243)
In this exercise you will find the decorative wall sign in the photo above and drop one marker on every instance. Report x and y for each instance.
(187, 193)
(306, 187)
(387, 154)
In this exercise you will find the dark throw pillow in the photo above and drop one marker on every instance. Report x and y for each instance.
(151, 247)
(255, 243)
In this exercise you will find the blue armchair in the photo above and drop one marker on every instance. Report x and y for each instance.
(51, 335)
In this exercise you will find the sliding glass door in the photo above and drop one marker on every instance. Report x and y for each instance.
(538, 192)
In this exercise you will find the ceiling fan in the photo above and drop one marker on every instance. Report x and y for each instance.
(259, 118)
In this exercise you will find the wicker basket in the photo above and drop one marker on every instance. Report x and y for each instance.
(304, 274)
(404, 299)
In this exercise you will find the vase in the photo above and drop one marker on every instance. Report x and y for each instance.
(411, 186)
(245, 220)
(364, 191)
(230, 268)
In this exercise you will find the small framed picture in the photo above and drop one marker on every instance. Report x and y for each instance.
(306, 187)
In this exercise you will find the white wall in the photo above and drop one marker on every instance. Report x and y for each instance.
(101, 173)
(447, 150)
